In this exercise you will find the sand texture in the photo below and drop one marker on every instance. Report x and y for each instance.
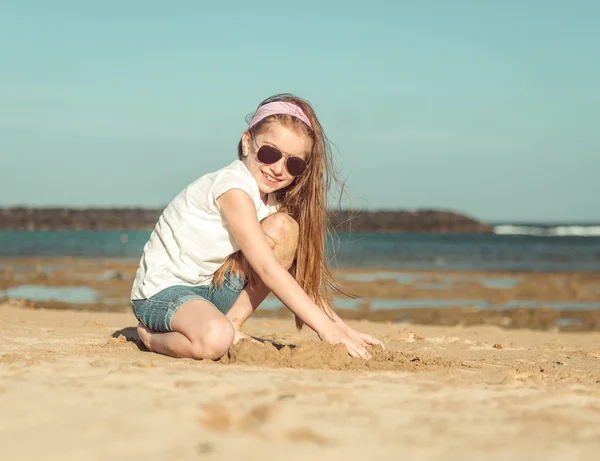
(79, 386)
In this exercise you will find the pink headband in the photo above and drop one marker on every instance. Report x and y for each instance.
(276, 108)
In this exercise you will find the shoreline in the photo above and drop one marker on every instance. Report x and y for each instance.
(507, 299)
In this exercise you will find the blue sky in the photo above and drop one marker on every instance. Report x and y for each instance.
(484, 107)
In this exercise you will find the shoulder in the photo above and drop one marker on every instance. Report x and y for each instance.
(235, 169)
(234, 176)
(235, 172)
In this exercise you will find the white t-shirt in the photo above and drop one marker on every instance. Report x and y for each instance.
(191, 239)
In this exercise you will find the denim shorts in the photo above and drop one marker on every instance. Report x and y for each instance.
(157, 311)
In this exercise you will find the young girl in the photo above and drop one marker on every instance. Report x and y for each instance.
(231, 237)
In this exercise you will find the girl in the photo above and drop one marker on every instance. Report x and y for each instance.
(254, 226)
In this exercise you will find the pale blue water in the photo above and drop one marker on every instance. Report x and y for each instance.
(75, 294)
(381, 250)
(86, 295)
(384, 251)
(447, 281)
(388, 304)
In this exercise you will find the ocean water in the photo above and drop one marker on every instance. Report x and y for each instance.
(501, 251)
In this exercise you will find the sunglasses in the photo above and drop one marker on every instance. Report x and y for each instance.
(268, 155)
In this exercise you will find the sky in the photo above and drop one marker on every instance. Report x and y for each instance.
(486, 108)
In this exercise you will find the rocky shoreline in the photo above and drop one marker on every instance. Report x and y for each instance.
(426, 297)
(435, 221)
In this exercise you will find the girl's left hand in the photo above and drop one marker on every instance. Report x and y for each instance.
(363, 337)
(240, 335)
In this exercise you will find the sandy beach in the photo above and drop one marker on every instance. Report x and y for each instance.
(424, 169)
(78, 385)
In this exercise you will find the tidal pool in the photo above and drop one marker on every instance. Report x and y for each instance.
(420, 280)
(393, 303)
(74, 295)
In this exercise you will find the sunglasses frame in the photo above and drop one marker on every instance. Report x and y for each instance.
(286, 156)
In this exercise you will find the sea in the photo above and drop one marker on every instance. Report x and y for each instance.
(511, 247)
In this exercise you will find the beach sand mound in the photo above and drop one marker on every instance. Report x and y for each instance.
(317, 355)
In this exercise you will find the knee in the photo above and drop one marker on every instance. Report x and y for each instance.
(281, 227)
(282, 232)
(214, 341)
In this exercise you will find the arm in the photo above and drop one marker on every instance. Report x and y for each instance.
(238, 210)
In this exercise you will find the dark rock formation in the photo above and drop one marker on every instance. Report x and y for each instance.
(139, 218)
(407, 221)
(78, 219)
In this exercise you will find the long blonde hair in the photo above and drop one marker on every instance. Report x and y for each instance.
(305, 200)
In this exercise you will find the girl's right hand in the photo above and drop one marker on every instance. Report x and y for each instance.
(335, 335)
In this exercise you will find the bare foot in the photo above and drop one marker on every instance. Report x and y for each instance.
(145, 335)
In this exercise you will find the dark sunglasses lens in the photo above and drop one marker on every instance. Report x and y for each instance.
(295, 166)
(268, 155)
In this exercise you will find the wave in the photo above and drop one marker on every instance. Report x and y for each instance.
(548, 231)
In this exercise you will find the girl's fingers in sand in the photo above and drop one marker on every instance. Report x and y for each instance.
(352, 351)
(364, 338)
(333, 334)
(357, 350)
(372, 341)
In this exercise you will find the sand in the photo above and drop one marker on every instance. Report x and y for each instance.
(79, 386)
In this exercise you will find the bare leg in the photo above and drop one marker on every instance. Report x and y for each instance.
(282, 234)
(200, 332)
